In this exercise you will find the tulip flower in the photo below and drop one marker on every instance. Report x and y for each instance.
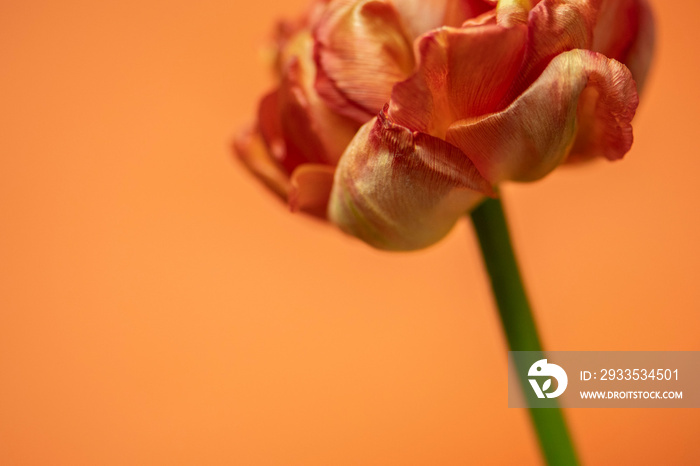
(393, 118)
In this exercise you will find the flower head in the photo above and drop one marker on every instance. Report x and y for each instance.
(393, 118)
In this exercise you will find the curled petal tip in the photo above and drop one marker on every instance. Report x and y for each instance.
(582, 104)
(402, 190)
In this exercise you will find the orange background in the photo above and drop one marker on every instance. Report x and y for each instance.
(158, 307)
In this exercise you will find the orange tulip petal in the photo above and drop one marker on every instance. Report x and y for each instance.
(421, 16)
(554, 27)
(295, 122)
(462, 73)
(362, 49)
(512, 12)
(625, 32)
(251, 151)
(535, 133)
(270, 126)
(474, 8)
(310, 189)
(402, 190)
(487, 18)
(459, 11)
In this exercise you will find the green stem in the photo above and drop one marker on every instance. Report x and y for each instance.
(518, 322)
